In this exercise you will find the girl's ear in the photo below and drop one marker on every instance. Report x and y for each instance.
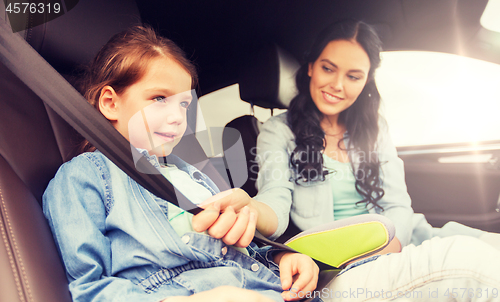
(309, 69)
(108, 103)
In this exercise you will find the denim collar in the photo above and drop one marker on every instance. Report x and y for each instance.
(171, 159)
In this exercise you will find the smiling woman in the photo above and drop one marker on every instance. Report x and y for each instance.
(337, 78)
(314, 188)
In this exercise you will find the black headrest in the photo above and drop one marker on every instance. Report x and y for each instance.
(74, 38)
(267, 77)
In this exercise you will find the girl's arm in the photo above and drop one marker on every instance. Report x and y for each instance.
(298, 274)
(74, 207)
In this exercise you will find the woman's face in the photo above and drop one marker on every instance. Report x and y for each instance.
(152, 112)
(338, 76)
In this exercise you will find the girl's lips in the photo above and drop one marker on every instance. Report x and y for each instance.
(330, 98)
(167, 137)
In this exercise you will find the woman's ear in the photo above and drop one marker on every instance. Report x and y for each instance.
(309, 69)
(108, 101)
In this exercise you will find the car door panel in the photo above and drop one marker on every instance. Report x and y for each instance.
(466, 192)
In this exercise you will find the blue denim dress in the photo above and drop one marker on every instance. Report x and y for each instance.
(117, 244)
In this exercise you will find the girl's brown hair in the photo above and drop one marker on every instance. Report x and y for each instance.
(124, 60)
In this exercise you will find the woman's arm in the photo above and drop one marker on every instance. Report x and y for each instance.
(223, 216)
(274, 182)
(396, 201)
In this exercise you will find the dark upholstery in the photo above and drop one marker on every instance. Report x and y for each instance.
(29, 264)
(34, 142)
(267, 79)
(248, 127)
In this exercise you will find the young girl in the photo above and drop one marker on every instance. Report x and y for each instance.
(339, 158)
(119, 242)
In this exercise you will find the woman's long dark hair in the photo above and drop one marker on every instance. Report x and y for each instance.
(360, 119)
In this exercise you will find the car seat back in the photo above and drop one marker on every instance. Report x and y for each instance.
(266, 79)
(29, 264)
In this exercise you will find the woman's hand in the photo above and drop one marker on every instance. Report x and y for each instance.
(223, 294)
(298, 274)
(228, 216)
(233, 216)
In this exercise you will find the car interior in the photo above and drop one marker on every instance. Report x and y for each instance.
(257, 44)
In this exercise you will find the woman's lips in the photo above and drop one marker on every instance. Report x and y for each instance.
(330, 98)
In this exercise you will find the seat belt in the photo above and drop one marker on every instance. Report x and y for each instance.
(66, 101)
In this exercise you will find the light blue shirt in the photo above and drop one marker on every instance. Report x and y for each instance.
(342, 182)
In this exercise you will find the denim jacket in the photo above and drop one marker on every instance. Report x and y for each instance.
(117, 244)
(310, 204)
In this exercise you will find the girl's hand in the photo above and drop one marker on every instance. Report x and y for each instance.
(229, 216)
(298, 274)
(223, 294)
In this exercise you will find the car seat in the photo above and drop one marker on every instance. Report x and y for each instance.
(34, 142)
(267, 80)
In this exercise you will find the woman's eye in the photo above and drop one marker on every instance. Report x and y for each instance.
(326, 69)
(354, 78)
(185, 104)
(160, 99)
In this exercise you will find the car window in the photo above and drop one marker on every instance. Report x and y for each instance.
(436, 98)
(427, 98)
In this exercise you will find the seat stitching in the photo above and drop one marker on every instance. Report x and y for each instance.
(7, 246)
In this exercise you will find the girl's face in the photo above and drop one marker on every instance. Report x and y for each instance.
(151, 113)
(338, 76)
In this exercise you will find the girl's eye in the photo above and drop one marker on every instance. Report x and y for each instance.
(354, 78)
(160, 99)
(185, 104)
